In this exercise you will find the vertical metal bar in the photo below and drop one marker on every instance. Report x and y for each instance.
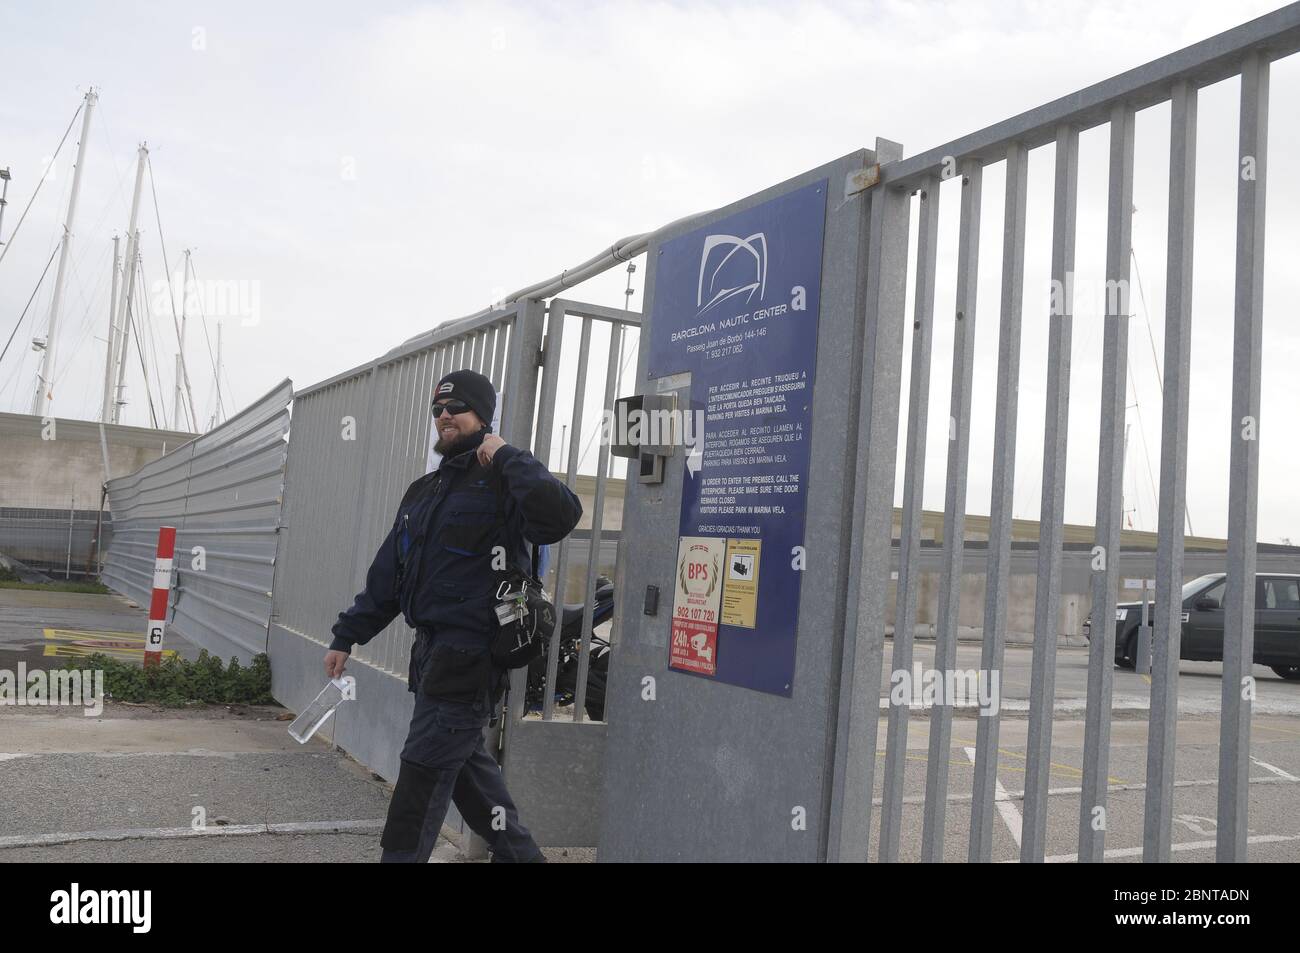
(468, 341)
(483, 360)
(918, 412)
(550, 384)
(489, 353)
(849, 831)
(1243, 480)
(954, 520)
(1110, 489)
(998, 572)
(519, 389)
(437, 370)
(499, 361)
(423, 397)
(477, 346)
(504, 392)
(439, 354)
(518, 406)
(1051, 525)
(571, 481)
(597, 523)
(442, 367)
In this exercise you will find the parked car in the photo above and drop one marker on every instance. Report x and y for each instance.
(1277, 623)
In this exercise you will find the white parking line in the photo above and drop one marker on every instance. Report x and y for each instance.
(1275, 769)
(1002, 800)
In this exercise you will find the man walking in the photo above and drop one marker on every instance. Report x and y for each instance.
(456, 532)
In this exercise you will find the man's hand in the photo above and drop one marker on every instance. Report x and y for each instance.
(490, 445)
(334, 662)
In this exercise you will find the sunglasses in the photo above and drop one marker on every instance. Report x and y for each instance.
(453, 407)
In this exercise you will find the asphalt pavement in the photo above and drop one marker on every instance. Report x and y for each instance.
(227, 783)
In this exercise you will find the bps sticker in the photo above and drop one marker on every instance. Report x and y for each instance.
(696, 602)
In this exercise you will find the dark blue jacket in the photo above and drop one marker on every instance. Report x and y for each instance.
(435, 566)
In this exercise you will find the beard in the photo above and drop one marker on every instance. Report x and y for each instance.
(449, 447)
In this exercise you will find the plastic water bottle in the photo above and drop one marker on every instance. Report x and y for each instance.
(337, 691)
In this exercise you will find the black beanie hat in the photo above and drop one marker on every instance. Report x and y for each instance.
(472, 388)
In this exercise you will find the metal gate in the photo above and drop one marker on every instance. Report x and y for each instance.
(359, 439)
(711, 774)
(1246, 51)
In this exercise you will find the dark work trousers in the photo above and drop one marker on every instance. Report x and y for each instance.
(445, 760)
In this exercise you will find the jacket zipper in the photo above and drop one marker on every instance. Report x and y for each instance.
(401, 553)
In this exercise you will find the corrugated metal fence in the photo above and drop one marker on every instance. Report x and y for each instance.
(222, 491)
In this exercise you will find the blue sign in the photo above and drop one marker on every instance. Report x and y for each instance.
(736, 304)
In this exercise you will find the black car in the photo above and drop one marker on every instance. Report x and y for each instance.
(1277, 623)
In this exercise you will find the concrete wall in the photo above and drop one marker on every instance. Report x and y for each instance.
(44, 466)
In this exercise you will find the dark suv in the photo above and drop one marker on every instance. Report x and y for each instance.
(1277, 623)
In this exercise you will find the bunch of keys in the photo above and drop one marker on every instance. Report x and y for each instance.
(511, 607)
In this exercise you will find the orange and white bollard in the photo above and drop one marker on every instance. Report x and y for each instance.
(162, 584)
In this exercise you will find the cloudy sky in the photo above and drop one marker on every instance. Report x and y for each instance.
(362, 172)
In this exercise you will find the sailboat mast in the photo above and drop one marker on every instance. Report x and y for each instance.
(128, 284)
(216, 414)
(44, 395)
(106, 412)
(182, 372)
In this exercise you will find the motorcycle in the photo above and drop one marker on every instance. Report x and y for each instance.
(566, 675)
